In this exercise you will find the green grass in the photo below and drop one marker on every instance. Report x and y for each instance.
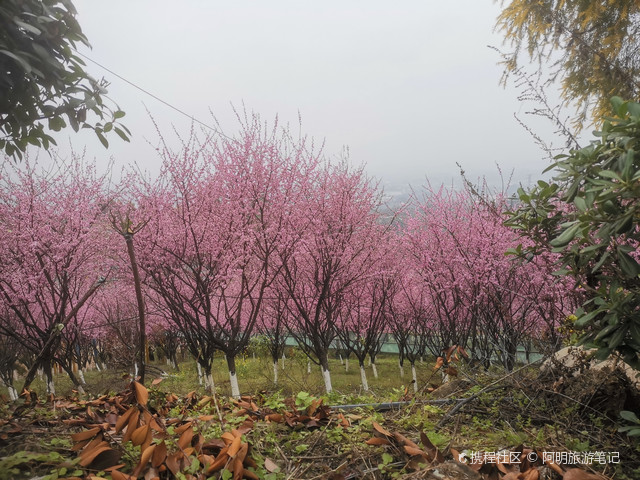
(256, 375)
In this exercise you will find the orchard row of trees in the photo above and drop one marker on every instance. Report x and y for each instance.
(257, 235)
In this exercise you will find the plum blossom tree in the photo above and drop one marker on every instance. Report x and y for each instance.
(272, 324)
(219, 217)
(364, 308)
(112, 321)
(55, 245)
(336, 223)
(480, 297)
(412, 320)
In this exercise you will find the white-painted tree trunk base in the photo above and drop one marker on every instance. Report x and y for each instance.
(363, 379)
(104, 366)
(275, 372)
(199, 367)
(80, 389)
(283, 359)
(309, 367)
(98, 367)
(341, 360)
(375, 370)
(369, 364)
(415, 378)
(210, 383)
(135, 370)
(51, 387)
(81, 376)
(346, 365)
(13, 394)
(326, 376)
(445, 378)
(401, 371)
(235, 389)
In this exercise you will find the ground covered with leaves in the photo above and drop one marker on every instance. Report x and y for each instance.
(522, 426)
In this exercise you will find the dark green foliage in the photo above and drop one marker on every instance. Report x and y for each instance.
(43, 84)
(588, 215)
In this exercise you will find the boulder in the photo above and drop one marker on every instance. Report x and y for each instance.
(578, 359)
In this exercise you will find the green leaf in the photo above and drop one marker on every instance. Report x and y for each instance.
(102, 139)
(610, 174)
(628, 164)
(606, 331)
(628, 265)
(634, 109)
(23, 63)
(629, 416)
(617, 338)
(566, 236)
(634, 329)
(121, 134)
(580, 203)
(603, 259)
(57, 123)
(583, 320)
(26, 26)
(619, 106)
(592, 248)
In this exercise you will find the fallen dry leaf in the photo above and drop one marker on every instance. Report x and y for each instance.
(381, 430)
(142, 394)
(270, 466)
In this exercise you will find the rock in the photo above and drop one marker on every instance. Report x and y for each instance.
(579, 359)
(451, 387)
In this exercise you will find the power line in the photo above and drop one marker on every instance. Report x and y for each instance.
(152, 95)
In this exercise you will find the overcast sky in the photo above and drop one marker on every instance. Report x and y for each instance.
(410, 87)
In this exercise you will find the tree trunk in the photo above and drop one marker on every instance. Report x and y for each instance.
(199, 368)
(233, 378)
(209, 384)
(48, 377)
(326, 375)
(275, 372)
(363, 378)
(13, 394)
(142, 342)
(415, 377)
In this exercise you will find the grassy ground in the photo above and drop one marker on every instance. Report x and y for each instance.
(555, 412)
(256, 374)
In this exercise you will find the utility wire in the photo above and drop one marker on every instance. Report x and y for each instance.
(152, 95)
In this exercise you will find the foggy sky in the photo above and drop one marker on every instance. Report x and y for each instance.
(410, 87)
